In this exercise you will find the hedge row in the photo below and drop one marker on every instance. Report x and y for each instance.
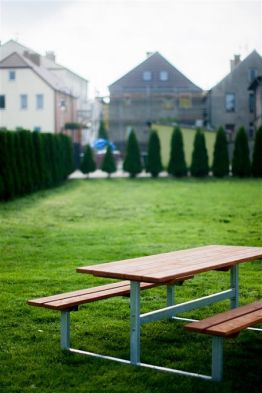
(30, 161)
(241, 164)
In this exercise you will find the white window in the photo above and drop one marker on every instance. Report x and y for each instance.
(23, 101)
(230, 102)
(252, 74)
(163, 75)
(2, 102)
(39, 101)
(11, 75)
(147, 75)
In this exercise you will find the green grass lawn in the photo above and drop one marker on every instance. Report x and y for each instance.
(165, 133)
(45, 236)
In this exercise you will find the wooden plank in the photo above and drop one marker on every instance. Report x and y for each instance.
(168, 266)
(43, 300)
(71, 299)
(235, 325)
(206, 325)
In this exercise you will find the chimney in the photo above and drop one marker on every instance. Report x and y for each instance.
(50, 55)
(148, 54)
(34, 57)
(235, 62)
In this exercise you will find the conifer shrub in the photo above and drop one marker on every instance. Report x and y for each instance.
(241, 163)
(177, 163)
(88, 164)
(220, 160)
(26, 156)
(11, 146)
(8, 191)
(132, 162)
(108, 164)
(257, 154)
(154, 163)
(199, 165)
(102, 131)
(40, 159)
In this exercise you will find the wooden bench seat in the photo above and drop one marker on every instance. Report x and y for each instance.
(229, 323)
(70, 300)
(226, 325)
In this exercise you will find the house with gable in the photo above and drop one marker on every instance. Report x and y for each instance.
(32, 97)
(72, 83)
(154, 90)
(230, 103)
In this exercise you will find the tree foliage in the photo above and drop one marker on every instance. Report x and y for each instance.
(31, 161)
(199, 166)
(108, 164)
(257, 154)
(102, 132)
(220, 160)
(132, 162)
(241, 163)
(88, 164)
(177, 163)
(154, 164)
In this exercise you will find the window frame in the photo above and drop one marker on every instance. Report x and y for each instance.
(147, 76)
(41, 102)
(23, 106)
(2, 97)
(163, 75)
(11, 72)
(227, 108)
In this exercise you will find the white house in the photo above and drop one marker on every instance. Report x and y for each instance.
(70, 82)
(33, 97)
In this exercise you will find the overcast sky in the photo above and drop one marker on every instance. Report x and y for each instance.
(103, 39)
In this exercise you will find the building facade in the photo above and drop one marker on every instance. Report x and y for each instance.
(71, 83)
(33, 98)
(151, 92)
(230, 103)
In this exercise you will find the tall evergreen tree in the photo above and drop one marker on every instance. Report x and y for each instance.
(88, 164)
(108, 164)
(241, 163)
(6, 174)
(199, 166)
(177, 163)
(102, 132)
(220, 160)
(257, 154)
(132, 162)
(154, 164)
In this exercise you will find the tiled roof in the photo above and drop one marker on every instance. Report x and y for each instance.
(155, 63)
(16, 60)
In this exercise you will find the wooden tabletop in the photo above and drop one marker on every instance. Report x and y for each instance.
(162, 268)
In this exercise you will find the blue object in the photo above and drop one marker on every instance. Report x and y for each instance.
(101, 144)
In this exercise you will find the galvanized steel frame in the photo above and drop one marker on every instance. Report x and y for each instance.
(137, 320)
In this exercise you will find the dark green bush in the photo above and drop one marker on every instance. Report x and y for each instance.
(154, 164)
(132, 163)
(88, 164)
(31, 161)
(241, 163)
(221, 160)
(257, 154)
(177, 163)
(108, 164)
(199, 166)
(102, 131)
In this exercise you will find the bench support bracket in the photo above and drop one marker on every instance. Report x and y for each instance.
(65, 330)
(217, 358)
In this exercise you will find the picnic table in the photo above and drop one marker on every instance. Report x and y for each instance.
(168, 269)
(164, 269)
